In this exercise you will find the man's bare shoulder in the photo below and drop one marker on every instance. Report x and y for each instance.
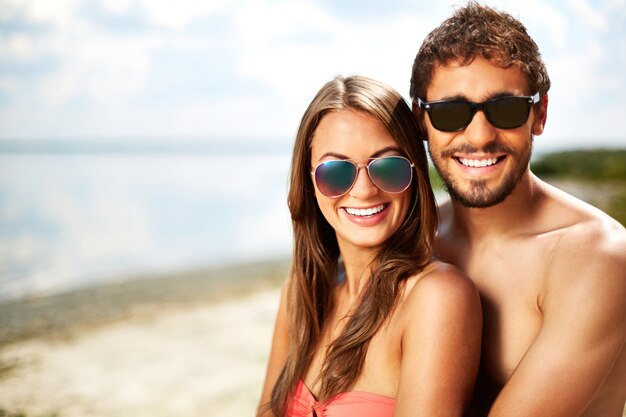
(590, 249)
(585, 232)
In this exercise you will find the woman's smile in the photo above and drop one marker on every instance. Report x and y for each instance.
(367, 216)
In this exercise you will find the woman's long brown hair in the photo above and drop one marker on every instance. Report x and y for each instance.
(316, 252)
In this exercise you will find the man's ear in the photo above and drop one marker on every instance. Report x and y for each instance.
(414, 107)
(419, 118)
(541, 115)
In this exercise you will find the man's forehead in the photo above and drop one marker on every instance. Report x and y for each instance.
(479, 78)
(460, 62)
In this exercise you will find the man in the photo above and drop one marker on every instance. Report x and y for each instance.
(551, 270)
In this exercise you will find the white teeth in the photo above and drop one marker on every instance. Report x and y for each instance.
(478, 162)
(365, 212)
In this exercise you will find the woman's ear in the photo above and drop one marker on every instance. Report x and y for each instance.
(541, 115)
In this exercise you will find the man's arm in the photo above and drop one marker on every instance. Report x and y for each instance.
(584, 329)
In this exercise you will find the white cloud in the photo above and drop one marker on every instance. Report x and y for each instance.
(618, 6)
(102, 67)
(307, 45)
(57, 12)
(282, 46)
(17, 48)
(117, 6)
(544, 21)
(588, 14)
(177, 14)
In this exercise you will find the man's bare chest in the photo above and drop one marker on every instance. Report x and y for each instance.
(512, 319)
(510, 279)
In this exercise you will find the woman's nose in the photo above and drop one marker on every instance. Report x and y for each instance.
(363, 187)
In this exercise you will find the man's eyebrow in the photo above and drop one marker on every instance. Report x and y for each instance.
(463, 97)
(501, 94)
(456, 97)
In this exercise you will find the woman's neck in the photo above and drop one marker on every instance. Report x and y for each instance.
(357, 263)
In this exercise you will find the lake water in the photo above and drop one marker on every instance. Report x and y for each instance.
(80, 218)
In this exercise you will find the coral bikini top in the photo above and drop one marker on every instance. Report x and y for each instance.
(346, 404)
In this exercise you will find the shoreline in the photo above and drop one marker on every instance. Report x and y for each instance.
(66, 314)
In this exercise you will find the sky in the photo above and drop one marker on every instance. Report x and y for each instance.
(243, 71)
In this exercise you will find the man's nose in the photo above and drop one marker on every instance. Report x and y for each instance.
(479, 132)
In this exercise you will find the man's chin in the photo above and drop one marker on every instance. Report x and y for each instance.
(477, 203)
(479, 196)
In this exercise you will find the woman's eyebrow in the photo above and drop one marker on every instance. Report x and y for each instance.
(374, 155)
(334, 155)
(385, 150)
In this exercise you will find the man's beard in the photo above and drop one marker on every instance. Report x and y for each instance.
(478, 195)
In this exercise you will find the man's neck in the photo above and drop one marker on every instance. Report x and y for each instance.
(511, 216)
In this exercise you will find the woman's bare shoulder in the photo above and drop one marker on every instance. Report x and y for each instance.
(442, 283)
(442, 276)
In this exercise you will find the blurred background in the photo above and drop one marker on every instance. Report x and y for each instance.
(151, 139)
(147, 135)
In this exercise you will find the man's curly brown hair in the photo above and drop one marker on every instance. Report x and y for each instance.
(479, 31)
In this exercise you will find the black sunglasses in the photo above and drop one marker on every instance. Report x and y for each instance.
(506, 112)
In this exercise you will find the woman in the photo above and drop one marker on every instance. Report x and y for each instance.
(369, 323)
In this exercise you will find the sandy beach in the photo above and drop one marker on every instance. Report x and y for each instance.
(192, 345)
(189, 355)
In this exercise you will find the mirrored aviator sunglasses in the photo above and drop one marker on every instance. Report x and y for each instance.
(392, 174)
(507, 112)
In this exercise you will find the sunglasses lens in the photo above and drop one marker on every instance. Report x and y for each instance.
(392, 174)
(450, 116)
(507, 112)
(334, 178)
